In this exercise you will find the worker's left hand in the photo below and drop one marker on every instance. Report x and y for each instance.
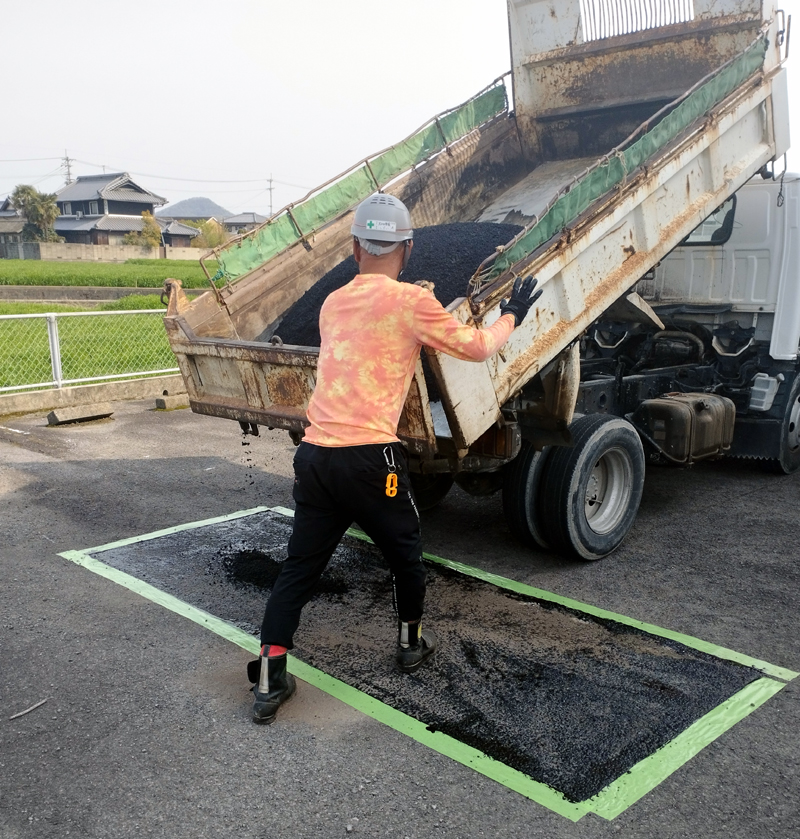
(521, 299)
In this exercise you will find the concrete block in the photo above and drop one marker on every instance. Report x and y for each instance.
(62, 397)
(80, 413)
(171, 403)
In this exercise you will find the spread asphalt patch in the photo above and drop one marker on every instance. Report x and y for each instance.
(571, 700)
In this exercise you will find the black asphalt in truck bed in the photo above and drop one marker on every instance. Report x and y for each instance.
(446, 255)
(571, 700)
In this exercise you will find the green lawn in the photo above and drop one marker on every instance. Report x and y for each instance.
(139, 273)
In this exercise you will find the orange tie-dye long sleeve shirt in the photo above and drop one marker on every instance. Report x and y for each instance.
(372, 331)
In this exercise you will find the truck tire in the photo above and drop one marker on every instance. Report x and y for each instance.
(788, 460)
(522, 501)
(430, 490)
(594, 487)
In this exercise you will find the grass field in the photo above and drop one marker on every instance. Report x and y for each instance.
(92, 346)
(130, 301)
(25, 308)
(139, 273)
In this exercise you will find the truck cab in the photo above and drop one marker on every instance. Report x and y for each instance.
(736, 277)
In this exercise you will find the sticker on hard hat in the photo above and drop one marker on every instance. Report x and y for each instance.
(384, 226)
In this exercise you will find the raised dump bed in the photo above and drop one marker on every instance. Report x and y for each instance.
(625, 132)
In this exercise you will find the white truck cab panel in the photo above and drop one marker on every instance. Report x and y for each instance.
(786, 330)
(752, 266)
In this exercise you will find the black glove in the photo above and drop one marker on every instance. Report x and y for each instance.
(522, 298)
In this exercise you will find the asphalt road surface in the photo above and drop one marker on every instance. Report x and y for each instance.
(146, 729)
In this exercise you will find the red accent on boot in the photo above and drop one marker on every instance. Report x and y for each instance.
(274, 650)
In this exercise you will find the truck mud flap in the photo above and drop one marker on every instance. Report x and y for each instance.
(756, 438)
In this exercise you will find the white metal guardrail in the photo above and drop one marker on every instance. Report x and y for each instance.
(70, 348)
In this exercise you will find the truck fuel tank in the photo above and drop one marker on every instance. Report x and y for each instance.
(685, 427)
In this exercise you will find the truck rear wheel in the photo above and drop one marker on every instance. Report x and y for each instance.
(430, 490)
(593, 488)
(522, 496)
(789, 459)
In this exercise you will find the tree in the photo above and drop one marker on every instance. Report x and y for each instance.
(22, 197)
(212, 233)
(151, 232)
(45, 213)
(148, 237)
(40, 211)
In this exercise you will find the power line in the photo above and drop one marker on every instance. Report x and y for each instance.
(48, 175)
(202, 180)
(19, 178)
(27, 159)
(253, 201)
(66, 162)
(216, 191)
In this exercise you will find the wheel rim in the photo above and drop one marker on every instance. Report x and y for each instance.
(793, 431)
(608, 490)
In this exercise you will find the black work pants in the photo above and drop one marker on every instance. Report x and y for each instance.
(334, 487)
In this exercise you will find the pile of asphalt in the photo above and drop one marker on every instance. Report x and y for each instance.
(571, 700)
(446, 255)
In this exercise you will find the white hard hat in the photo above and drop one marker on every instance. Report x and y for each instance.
(382, 218)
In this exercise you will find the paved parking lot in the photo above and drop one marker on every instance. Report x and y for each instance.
(146, 729)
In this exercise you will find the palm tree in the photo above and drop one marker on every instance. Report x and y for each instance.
(46, 211)
(39, 209)
(23, 196)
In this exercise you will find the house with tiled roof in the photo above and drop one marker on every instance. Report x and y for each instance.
(11, 223)
(243, 222)
(101, 209)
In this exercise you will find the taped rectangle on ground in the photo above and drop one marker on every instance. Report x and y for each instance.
(577, 708)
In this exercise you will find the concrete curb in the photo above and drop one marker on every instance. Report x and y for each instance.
(48, 400)
(80, 413)
(69, 294)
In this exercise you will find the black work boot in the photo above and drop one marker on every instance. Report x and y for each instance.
(275, 685)
(414, 645)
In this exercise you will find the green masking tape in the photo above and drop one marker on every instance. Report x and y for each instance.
(608, 803)
(652, 770)
(438, 741)
(168, 531)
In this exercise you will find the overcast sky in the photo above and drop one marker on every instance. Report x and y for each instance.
(190, 96)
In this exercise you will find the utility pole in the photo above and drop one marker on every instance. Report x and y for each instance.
(270, 188)
(67, 164)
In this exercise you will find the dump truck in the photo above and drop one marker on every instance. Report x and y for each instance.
(618, 143)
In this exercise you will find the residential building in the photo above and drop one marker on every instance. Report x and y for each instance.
(243, 222)
(101, 209)
(194, 209)
(11, 223)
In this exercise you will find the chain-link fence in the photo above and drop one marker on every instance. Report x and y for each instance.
(69, 348)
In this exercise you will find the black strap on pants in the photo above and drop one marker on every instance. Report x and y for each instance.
(334, 487)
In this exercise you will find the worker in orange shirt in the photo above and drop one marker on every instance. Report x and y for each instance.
(350, 465)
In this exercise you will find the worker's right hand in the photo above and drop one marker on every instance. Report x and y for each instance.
(521, 299)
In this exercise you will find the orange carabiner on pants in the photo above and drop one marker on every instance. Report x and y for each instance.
(391, 484)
